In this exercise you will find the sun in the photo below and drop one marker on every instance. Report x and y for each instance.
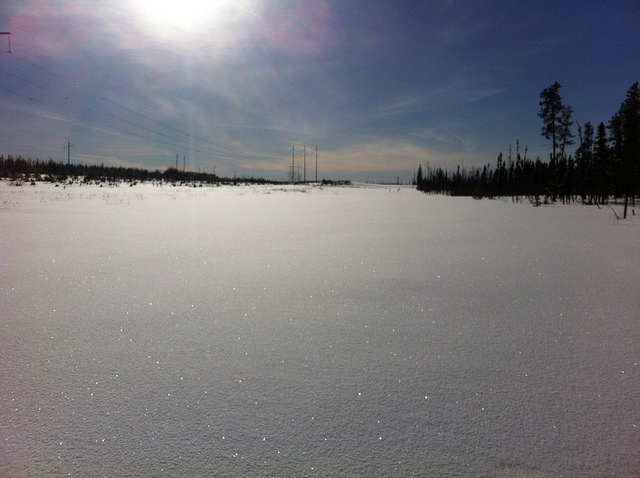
(180, 14)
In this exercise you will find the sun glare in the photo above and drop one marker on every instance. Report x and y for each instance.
(180, 14)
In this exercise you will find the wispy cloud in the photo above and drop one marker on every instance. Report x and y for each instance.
(478, 95)
(403, 106)
(380, 88)
(379, 159)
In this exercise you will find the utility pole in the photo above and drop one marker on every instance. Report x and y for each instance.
(316, 163)
(68, 146)
(304, 168)
(293, 164)
(176, 161)
(184, 164)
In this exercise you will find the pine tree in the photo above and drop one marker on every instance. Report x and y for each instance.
(566, 136)
(602, 165)
(625, 126)
(551, 111)
(585, 162)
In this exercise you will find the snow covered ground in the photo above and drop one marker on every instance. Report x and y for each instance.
(314, 331)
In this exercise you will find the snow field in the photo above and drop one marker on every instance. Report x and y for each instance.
(314, 331)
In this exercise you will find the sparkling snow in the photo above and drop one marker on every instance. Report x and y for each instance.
(314, 331)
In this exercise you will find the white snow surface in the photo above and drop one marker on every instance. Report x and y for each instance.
(314, 331)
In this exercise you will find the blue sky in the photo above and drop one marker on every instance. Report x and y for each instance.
(379, 86)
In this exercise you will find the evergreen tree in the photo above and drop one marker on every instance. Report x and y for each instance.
(566, 136)
(551, 111)
(585, 162)
(602, 166)
(629, 149)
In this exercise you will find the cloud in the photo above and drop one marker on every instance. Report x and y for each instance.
(107, 160)
(458, 91)
(377, 156)
(480, 94)
(403, 106)
(380, 89)
(370, 158)
(300, 29)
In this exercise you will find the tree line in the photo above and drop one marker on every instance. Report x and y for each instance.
(23, 169)
(606, 163)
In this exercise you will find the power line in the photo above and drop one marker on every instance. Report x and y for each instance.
(21, 95)
(178, 142)
(17, 77)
